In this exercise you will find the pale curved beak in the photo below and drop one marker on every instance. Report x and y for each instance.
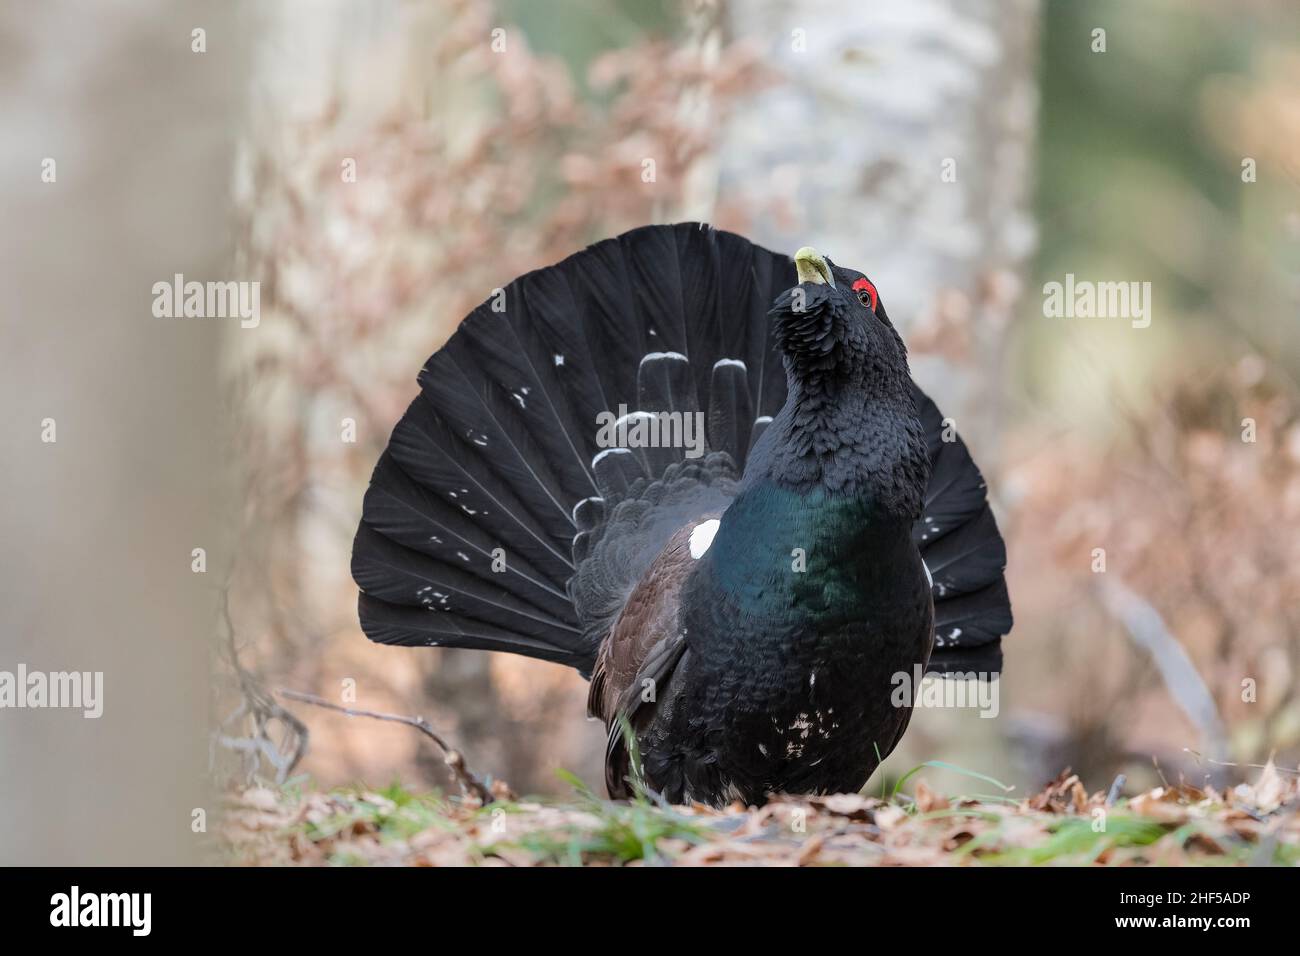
(812, 267)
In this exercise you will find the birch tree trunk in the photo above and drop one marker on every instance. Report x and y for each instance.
(898, 139)
(325, 77)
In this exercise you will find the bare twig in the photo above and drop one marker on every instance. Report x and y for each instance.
(469, 783)
(1228, 763)
(1155, 762)
(261, 708)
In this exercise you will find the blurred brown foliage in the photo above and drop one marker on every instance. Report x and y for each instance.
(487, 166)
(506, 165)
(1193, 503)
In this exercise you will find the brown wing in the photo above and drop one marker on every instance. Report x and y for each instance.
(637, 660)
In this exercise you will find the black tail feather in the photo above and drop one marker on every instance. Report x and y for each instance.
(663, 382)
(731, 414)
(491, 344)
(479, 410)
(426, 449)
(964, 553)
(616, 471)
(406, 513)
(408, 626)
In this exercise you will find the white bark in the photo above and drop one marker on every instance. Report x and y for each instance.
(847, 151)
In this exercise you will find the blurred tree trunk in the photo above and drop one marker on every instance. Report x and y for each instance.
(325, 76)
(98, 526)
(898, 139)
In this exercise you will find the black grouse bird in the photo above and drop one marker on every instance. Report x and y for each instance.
(741, 599)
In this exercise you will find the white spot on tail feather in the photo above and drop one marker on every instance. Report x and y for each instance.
(702, 537)
(736, 362)
(579, 504)
(609, 451)
(653, 356)
(627, 419)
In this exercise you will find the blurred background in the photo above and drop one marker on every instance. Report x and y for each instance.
(963, 154)
(380, 167)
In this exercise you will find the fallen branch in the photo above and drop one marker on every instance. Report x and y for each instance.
(260, 708)
(470, 784)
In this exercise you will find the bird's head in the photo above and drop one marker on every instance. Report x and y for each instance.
(832, 327)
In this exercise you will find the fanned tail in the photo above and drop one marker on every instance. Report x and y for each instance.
(497, 519)
(495, 490)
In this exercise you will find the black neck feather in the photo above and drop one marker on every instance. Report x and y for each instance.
(848, 438)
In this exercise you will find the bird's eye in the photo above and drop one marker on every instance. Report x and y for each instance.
(866, 293)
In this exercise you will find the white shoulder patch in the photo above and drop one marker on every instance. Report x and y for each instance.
(702, 537)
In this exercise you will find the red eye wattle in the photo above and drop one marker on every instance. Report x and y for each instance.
(867, 293)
